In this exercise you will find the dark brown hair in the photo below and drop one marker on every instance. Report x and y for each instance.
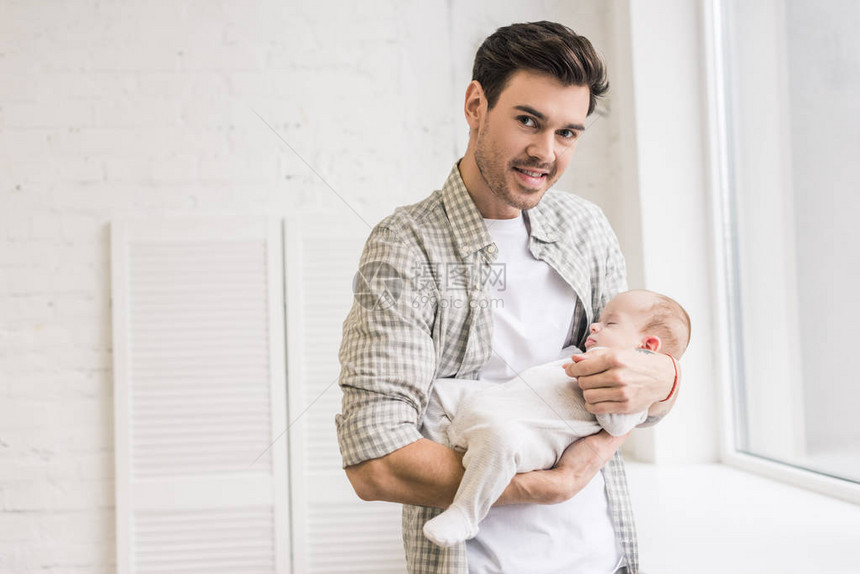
(545, 47)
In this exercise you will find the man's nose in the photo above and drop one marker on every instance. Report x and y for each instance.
(542, 147)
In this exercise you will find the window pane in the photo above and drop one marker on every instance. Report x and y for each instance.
(794, 138)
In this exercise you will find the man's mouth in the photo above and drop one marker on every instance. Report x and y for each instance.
(534, 179)
(531, 173)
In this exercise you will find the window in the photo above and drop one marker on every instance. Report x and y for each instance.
(786, 87)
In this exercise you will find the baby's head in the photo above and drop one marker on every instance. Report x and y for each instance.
(642, 319)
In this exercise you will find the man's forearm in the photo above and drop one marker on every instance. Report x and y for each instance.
(659, 410)
(579, 463)
(550, 486)
(426, 473)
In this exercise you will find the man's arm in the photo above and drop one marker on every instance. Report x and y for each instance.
(617, 381)
(579, 463)
(661, 408)
(426, 473)
(625, 381)
(387, 361)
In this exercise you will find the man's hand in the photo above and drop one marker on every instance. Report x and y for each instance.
(623, 381)
(579, 463)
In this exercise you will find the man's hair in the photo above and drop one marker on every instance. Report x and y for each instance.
(545, 47)
(671, 323)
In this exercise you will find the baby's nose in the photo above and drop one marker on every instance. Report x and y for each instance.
(594, 327)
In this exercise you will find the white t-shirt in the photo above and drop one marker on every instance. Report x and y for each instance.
(532, 317)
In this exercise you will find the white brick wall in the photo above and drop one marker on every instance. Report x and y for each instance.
(111, 109)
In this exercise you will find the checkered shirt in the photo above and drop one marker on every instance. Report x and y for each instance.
(422, 311)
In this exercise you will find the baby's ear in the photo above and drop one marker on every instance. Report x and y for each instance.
(651, 343)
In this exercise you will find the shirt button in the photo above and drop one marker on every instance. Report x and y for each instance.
(492, 249)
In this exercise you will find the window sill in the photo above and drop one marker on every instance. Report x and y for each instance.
(722, 519)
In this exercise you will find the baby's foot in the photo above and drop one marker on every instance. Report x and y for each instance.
(450, 527)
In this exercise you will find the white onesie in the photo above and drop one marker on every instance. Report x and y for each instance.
(520, 425)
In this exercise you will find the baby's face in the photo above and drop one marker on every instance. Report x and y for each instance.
(621, 322)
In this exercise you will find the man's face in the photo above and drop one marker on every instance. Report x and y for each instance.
(525, 142)
(621, 322)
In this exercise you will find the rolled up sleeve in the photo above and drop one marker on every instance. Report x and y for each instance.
(387, 354)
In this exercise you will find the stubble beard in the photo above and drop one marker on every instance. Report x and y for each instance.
(494, 170)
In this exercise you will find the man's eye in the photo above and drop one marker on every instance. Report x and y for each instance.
(527, 121)
(568, 134)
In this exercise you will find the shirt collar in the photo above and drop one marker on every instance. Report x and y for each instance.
(467, 223)
(470, 233)
(541, 220)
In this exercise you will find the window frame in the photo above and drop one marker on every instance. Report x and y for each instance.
(727, 311)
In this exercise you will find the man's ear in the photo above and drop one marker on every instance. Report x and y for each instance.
(475, 107)
(651, 343)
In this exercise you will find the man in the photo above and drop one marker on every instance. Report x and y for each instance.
(436, 264)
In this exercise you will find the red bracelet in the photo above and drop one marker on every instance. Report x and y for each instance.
(675, 382)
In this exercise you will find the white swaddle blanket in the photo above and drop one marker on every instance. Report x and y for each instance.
(506, 428)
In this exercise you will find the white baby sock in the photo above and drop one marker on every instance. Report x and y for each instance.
(450, 527)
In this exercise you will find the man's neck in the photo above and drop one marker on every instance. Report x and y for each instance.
(485, 200)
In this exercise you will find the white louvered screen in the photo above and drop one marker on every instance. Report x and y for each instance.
(333, 530)
(199, 395)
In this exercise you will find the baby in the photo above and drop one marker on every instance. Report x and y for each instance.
(526, 423)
